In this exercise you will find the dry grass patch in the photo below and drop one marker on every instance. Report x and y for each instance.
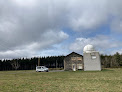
(108, 80)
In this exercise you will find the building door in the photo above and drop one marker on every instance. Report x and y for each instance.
(74, 67)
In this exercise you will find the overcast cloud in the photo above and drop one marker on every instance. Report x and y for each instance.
(53, 27)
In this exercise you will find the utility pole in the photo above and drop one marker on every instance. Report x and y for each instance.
(38, 61)
(56, 63)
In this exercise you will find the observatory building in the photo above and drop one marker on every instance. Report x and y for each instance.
(91, 59)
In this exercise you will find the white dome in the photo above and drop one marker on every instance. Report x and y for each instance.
(88, 49)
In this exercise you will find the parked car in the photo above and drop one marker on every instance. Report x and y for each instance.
(41, 69)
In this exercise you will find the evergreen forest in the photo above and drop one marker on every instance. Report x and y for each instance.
(107, 61)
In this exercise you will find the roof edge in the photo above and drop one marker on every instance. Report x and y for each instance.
(72, 53)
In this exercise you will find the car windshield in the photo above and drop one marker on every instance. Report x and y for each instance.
(39, 67)
(44, 67)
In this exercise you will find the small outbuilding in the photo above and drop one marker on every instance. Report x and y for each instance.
(73, 61)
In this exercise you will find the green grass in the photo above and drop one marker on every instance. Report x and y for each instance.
(108, 80)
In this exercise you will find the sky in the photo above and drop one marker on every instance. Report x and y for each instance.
(31, 28)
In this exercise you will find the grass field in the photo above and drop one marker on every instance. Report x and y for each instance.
(108, 80)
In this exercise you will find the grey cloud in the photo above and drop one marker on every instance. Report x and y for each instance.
(27, 24)
(38, 24)
(90, 15)
(116, 26)
(33, 48)
(27, 29)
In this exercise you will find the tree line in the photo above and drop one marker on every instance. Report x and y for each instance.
(107, 61)
(111, 61)
(31, 63)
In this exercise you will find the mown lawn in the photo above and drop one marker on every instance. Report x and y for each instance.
(108, 80)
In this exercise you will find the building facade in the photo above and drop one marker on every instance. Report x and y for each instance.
(73, 61)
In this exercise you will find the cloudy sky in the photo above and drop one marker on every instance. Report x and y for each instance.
(57, 27)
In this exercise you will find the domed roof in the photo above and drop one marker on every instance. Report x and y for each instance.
(88, 49)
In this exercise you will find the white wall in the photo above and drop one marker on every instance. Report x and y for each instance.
(92, 64)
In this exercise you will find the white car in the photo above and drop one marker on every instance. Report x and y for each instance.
(41, 69)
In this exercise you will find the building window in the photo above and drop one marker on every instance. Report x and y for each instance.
(93, 57)
(79, 66)
(76, 58)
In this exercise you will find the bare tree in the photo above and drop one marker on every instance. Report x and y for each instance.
(114, 62)
(15, 64)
